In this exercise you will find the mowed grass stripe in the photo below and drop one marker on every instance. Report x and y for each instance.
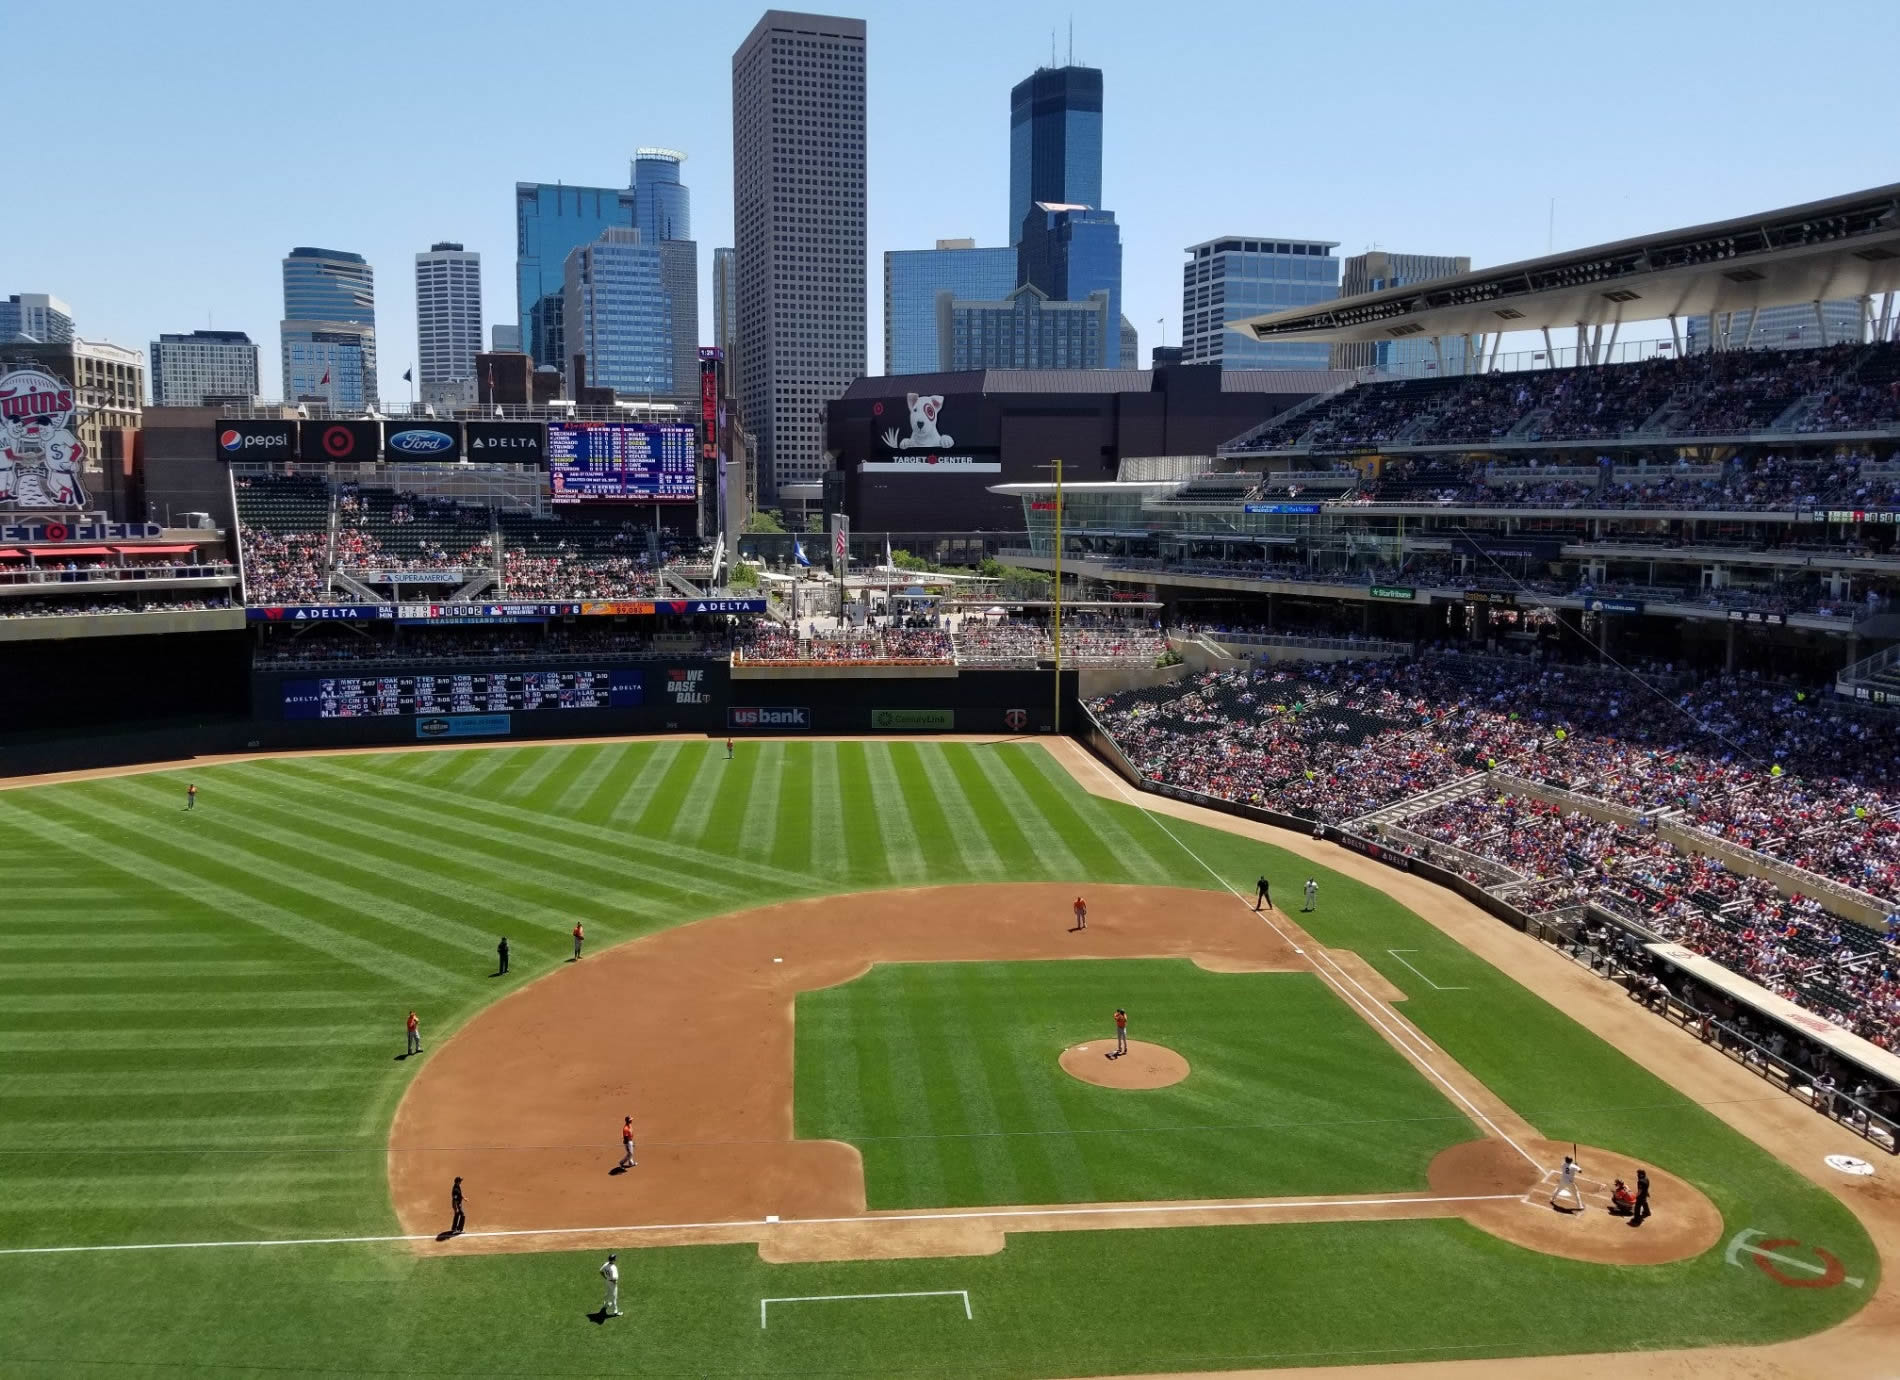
(1015, 849)
(543, 763)
(661, 808)
(1059, 817)
(336, 888)
(199, 879)
(791, 810)
(867, 863)
(560, 786)
(477, 766)
(1052, 856)
(825, 813)
(757, 834)
(498, 885)
(890, 804)
(667, 864)
(125, 1038)
(962, 832)
(888, 1027)
(602, 777)
(1103, 821)
(654, 762)
(729, 825)
(976, 1162)
(702, 794)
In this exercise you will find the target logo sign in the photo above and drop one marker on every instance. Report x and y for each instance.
(56, 531)
(338, 443)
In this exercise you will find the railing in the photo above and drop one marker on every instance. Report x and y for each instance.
(1371, 645)
(116, 574)
(1527, 474)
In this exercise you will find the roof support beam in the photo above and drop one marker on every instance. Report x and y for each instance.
(1820, 322)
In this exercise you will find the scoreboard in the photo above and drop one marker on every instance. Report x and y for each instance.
(489, 692)
(622, 462)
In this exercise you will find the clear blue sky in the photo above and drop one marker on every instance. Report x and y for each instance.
(190, 145)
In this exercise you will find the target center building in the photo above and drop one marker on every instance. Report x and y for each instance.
(920, 452)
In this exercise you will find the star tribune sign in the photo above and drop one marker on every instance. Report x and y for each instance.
(42, 463)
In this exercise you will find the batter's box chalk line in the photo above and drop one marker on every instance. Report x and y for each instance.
(964, 1294)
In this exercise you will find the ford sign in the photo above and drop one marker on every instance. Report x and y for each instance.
(420, 442)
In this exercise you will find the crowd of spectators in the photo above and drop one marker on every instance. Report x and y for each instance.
(896, 643)
(36, 606)
(1333, 742)
(575, 575)
(1854, 387)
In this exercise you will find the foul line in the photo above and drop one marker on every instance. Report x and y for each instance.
(988, 1214)
(1434, 986)
(1366, 1008)
(964, 1294)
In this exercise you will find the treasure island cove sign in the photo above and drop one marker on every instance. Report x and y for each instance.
(42, 463)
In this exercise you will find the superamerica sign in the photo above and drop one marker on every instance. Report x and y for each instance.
(42, 461)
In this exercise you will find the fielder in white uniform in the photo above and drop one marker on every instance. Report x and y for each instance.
(611, 1273)
(1312, 894)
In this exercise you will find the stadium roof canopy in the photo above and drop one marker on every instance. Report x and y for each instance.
(1844, 247)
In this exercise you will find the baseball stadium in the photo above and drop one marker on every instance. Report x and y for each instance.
(1415, 888)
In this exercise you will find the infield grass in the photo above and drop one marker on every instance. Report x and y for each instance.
(944, 1075)
(200, 1013)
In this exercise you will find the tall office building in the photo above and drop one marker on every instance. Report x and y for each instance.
(1026, 329)
(551, 221)
(504, 336)
(1227, 279)
(203, 369)
(1055, 142)
(798, 213)
(618, 315)
(448, 324)
(1071, 253)
(663, 208)
(1377, 270)
(329, 328)
(725, 304)
(1131, 345)
(35, 317)
(913, 278)
(1780, 328)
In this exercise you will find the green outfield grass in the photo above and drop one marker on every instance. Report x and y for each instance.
(944, 1075)
(199, 1015)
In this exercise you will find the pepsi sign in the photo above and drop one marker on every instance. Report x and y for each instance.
(256, 440)
(340, 442)
(507, 443)
(424, 440)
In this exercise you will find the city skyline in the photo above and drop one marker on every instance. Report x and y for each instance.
(1486, 190)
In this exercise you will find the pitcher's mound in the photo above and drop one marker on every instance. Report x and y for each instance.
(1144, 1066)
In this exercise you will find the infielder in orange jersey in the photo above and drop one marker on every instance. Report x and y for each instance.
(579, 935)
(1121, 1033)
(627, 1160)
(1081, 914)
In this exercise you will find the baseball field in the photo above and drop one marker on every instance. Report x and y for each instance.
(837, 987)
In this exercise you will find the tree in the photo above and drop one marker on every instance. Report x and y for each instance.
(764, 520)
(743, 576)
(904, 560)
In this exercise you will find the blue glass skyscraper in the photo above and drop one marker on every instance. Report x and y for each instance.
(912, 280)
(1070, 253)
(551, 221)
(328, 334)
(618, 314)
(1055, 142)
(1231, 279)
(663, 208)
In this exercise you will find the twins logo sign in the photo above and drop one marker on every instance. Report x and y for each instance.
(1017, 719)
(42, 462)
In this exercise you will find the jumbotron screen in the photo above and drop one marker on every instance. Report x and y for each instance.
(491, 692)
(622, 462)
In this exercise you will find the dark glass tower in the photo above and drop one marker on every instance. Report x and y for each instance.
(1055, 142)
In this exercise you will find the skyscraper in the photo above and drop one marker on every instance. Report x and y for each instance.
(663, 208)
(618, 315)
(448, 324)
(35, 316)
(551, 221)
(1071, 253)
(798, 213)
(1055, 142)
(1374, 271)
(912, 280)
(1227, 279)
(203, 368)
(1026, 329)
(1779, 328)
(329, 328)
(725, 304)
